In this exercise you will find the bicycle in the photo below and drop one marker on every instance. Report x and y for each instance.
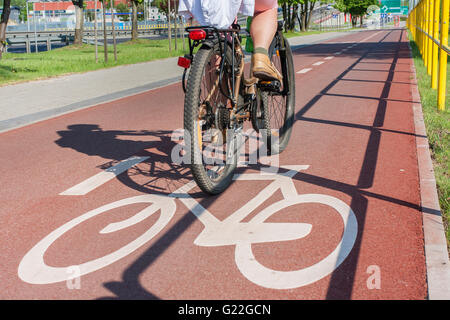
(219, 99)
(230, 231)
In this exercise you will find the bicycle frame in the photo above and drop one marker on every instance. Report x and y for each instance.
(214, 35)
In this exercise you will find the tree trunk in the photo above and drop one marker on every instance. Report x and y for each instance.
(285, 14)
(134, 24)
(79, 25)
(169, 27)
(176, 26)
(3, 23)
(113, 30)
(294, 14)
(304, 10)
(308, 18)
(95, 32)
(105, 38)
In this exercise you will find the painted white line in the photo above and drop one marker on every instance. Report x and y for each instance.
(95, 181)
(304, 70)
(329, 58)
(338, 53)
(370, 37)
(318, 63)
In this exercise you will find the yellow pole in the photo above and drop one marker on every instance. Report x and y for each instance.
(443, 55)
(429, 40)
(435, 70)
(425, 38)
(416, 10)
(422, 25)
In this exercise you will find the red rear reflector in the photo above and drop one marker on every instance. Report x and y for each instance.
(197, 34)
(184, 62)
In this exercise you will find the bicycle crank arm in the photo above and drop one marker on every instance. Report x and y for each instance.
(232, 233)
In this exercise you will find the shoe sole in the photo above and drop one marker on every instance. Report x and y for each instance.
(261, 75)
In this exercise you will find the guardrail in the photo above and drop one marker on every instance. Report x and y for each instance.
(428, 22)
(30, 38)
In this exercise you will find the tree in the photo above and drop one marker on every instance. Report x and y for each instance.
(3, 24)
(297, 9)
(79, 16)
(134, 19)
(123, 8)
(357, 8)
(113, 30)
(105, 39)
(168, 9)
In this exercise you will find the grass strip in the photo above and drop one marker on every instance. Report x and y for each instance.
(19, 67)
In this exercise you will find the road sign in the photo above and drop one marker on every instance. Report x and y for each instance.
(384, 8)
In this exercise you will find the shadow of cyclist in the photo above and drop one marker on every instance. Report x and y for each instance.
(157, 174)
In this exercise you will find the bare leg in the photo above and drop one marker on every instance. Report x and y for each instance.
(263, 28)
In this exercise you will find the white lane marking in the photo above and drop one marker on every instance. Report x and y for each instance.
(304, 70)
(95, 181)
(370, 36)
(318, 63)
(338, 53)
(329, 58)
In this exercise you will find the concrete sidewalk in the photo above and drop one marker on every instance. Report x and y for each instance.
(38, 100)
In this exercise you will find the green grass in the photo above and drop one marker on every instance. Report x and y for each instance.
(437, 125)
(18, 67)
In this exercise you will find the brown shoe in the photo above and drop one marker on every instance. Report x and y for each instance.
(263, 68)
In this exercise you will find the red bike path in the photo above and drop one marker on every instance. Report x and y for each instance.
(354, 128)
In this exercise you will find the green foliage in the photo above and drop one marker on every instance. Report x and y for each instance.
(355, 7)
(123, 8)
(163, 5)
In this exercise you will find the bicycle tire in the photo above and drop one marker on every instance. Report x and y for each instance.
(192, 105)
(268, 100)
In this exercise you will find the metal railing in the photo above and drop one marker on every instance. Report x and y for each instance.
(428, 22)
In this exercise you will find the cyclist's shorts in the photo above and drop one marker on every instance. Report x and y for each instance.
(263, 5)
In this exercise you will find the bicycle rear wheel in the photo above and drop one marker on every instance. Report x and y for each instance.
(212, 147)
(277, 107)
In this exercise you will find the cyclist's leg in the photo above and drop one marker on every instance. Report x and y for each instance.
(262, 30)
(264, 23)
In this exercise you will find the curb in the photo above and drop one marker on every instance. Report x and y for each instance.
(32, 118)
(435, 242)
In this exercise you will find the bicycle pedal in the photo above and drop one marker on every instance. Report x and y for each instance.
(273, 85)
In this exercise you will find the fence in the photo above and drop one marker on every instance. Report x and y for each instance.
(428, 22)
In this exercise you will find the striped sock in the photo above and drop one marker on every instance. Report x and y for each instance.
(261, 50)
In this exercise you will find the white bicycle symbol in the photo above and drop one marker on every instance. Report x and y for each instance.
(231, 231)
